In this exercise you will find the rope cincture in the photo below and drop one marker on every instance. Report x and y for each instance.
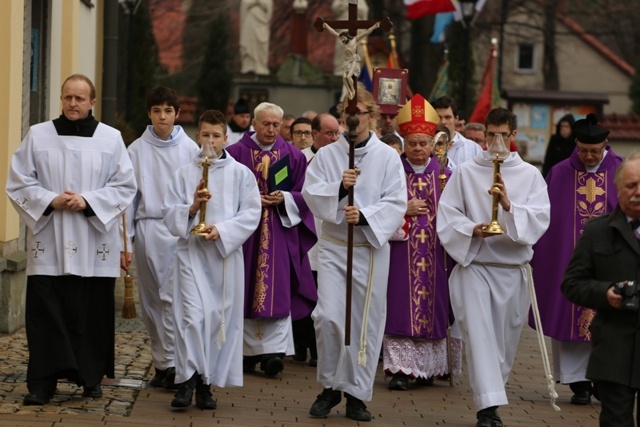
(551, 388)
(362, 352)
(222, 335)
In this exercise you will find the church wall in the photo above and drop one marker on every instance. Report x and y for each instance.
(12, 104)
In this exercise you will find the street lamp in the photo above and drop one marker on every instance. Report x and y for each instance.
(468, 9)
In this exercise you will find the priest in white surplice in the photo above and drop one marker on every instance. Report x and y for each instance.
(380, 201)
(208, 291)
(489, 285)
(70, 181)
(162, 148)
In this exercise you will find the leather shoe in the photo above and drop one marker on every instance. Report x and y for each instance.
(169, 379)
(357, 410)
(204, 399)
(36, 397)
(399, 382)
(158, 379)
(92, 391)
(581, 392)
(183, 397)
(324, 402)
(488, 417)
(272, 366)
(313, 362)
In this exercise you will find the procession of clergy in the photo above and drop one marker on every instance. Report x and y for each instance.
(269, 260)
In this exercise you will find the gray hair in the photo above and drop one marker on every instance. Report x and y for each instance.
(268, 107)
(475, 126)
(630, 158)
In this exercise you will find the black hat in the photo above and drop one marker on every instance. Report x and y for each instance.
(241, 107)
(588, 131)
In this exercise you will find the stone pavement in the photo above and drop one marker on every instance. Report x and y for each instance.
(280, 401)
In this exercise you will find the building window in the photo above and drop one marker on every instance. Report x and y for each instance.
(525, 58)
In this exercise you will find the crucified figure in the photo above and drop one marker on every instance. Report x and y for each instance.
(350, 57)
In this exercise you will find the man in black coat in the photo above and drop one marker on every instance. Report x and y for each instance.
(606, 256)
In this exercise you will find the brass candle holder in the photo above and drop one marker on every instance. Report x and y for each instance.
(206, 156)
(497, 153)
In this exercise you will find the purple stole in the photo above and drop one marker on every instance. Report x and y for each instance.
(576, 197)
(418, 291)
(278, 278)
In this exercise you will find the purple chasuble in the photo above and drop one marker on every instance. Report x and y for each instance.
(278, 278)
(418, 291)
(576, 197)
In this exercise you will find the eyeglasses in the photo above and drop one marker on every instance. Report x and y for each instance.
(593, 152)
(306, 133)
(492, 135)
(362, 113)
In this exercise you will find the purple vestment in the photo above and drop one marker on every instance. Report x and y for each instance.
(278, 278)
(576, 196)
(418, 291)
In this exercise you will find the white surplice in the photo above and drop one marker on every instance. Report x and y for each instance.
(209, 287)
(98, 168)
(381, 196)
(491, 302)
(154, 162)
(461, 150)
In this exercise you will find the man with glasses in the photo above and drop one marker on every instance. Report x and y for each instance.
(278, 282)
(301, 135)
(488, 287)
(326, 129)
(580, 188)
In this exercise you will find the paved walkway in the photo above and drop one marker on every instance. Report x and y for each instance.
(280, 401)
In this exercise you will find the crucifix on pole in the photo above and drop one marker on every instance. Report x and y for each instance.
(350, 72)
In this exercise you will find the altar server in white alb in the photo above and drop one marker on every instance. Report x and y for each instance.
(162, 148)
(489, 285)
(70, 181)
(380, 201)
(208, 296)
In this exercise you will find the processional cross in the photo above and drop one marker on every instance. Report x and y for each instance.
(351, 70)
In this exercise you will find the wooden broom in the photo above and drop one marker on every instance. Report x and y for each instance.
(128, 305)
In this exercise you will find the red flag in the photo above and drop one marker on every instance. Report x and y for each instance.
(490, 95)
(418, 8)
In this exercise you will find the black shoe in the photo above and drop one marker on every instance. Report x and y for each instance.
(399, 382)
(204, 398)
(158, 379)
(424, 382)
(300, 355)
(324, 402)
(581, 393)
(183, 397)
(169, 379)
(92, 391)
(488, 417)
(357, 410)
(272, 366)
(313, 362)
(36, 397)
(249, 364)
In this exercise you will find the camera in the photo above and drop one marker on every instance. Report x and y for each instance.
(630, 292)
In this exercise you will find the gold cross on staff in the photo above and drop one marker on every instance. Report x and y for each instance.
(352, 25)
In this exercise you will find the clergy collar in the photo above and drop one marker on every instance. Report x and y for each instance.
(81, 127)
(417, 168)
(237, 128)
(314, 150)
(595, 168)
(363, 143)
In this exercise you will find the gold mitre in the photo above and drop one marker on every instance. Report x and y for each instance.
(417, 116)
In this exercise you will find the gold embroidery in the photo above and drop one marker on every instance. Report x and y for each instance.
(591, 186)
(591, 190)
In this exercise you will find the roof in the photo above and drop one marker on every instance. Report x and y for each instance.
(592, 41)
(623, 127)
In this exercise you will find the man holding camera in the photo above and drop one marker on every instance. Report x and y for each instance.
(604, 265)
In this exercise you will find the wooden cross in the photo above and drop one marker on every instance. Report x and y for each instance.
(352, 25)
